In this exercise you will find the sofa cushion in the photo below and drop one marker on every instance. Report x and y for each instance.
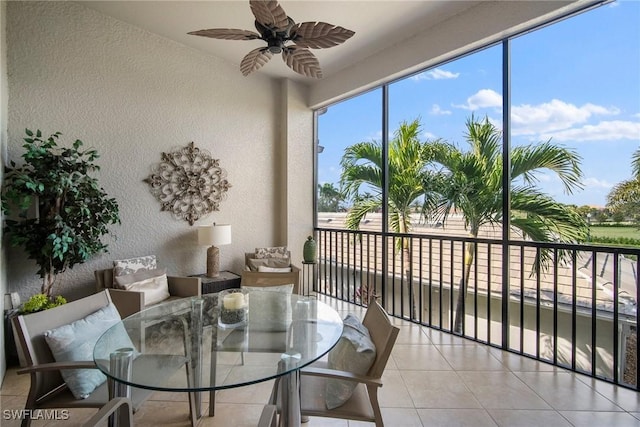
(253, 264)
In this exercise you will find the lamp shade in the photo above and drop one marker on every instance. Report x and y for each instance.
(216, 234)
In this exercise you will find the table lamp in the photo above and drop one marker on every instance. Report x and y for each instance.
(214, 235)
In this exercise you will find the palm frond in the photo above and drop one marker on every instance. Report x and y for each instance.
(528, 161)
(359, 210)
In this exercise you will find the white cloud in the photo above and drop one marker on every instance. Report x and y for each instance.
(435, 74)
(484, 98)
(596, 183)
(553, 116)
(429, 135)
(603, 131)
(437, 111)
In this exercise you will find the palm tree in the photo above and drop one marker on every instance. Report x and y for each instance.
(624, 198)
(472, 185)
(362, 170)
(329, 197)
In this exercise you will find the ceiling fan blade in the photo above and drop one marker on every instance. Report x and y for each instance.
(226, 34)
(270, 14)
(319, 35)
(254, 60)
(302, 62)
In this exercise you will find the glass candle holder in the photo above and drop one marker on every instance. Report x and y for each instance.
(234, 308)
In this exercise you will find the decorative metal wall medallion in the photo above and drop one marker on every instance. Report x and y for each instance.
(189, 183)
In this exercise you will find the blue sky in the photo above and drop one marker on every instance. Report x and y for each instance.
(576, 82)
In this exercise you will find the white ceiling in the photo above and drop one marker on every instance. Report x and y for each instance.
(378, 25)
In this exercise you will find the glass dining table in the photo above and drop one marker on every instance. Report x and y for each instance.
(187, 345)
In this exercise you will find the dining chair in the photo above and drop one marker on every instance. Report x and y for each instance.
(48, 389)
(363, 404)
(118, 406)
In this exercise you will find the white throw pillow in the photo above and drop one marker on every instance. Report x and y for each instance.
(155, 289)
(355, 352)
(265, 269)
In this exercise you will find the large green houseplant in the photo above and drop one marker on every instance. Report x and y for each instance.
(55, 210)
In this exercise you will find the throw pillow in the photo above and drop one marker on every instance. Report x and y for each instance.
(75, 342)
(155, 289)
(132, 265)
(270, 307)
(355, 352)
(272, 252)
(266, 269)
(255, 263)
(127, 279)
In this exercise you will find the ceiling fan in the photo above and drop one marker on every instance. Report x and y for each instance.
(277, 29)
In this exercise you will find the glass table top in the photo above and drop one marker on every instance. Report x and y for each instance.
(184, 345)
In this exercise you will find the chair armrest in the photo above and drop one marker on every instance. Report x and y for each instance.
(127, 302)
(340, 375)
(56, 366)
(184, 286)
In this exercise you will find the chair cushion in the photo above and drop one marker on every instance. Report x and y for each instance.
(265, 269)
(254, 264)
(75, 342)
(153, 283)
(272, 252)
(355, 352)
(132, 265)
(270, 307)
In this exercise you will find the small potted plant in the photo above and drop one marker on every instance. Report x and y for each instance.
(55, 210)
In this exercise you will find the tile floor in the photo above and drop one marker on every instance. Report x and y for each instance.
(432, 379)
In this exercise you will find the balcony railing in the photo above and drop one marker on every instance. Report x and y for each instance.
(573, 306)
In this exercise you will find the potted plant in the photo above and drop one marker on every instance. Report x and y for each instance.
(56, 211)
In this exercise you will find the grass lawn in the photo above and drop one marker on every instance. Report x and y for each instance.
(631, 232)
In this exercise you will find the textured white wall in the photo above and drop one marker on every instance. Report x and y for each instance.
(132, 95)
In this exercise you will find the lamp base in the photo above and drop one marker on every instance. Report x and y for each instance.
(213, 262)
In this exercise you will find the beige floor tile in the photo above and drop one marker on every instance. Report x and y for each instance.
(438, 389)
(563, 391)
(233, 415)
(470, 358)
(412, 334)
(14, 384)
(518, 363)
(419, 357)
(528, 418)
(258, 393)
(590, 419)
(439, 337)
(627, 399)
(502, 390)
(394, 393)
(455, 418)
(396, 417)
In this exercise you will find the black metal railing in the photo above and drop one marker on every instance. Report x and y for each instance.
(573, 306)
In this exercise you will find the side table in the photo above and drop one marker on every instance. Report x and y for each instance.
(226, 280)
(309, 278)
